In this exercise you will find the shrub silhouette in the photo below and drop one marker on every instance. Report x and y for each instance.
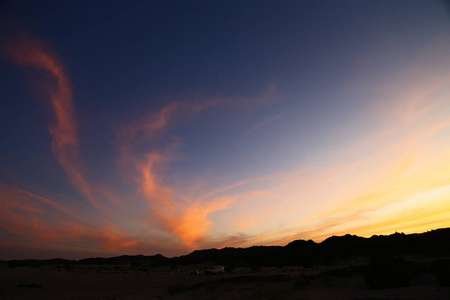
(441, 268)
(387, 272)
(176, 288)
(301, 282)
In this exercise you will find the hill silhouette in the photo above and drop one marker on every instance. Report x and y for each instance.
(306, 253)
(299, 252)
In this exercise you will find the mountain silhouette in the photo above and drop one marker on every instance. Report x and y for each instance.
(299, 252)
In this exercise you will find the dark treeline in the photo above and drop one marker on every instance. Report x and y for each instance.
(434, 243)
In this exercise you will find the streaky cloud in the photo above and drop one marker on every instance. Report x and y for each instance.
(29, 51)
(185, 218)
(39, 222)
(265, 122)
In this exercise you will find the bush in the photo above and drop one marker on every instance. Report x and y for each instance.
(256, 269)
(301, 282)
(441, 268)
(176, 288)
(387, 272)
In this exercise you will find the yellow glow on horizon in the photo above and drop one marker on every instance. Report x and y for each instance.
(397, 179)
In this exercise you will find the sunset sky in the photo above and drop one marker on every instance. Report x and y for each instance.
(147, 127)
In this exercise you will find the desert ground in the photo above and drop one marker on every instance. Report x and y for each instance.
(340, 281)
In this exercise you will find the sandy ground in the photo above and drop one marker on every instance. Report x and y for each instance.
(267, 283)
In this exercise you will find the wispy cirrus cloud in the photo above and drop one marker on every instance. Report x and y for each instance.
(265, 122)
(388, 178)
(28, 51)
(156, 122)
(43, 223)
(37, 221)
(184, 217)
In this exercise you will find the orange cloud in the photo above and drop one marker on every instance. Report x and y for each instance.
(24, 213)
(30, 215)
(185, 219)
(31, 52)
(174, 211)
(37, 222)
(150, 183)
(193, 224)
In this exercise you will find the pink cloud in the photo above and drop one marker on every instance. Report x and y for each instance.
(32, 52)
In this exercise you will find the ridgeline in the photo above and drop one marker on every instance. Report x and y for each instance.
(435, 243)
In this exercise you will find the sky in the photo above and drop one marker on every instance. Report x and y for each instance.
(148, 127)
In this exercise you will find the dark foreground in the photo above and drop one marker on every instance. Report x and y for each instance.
(344, 280)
